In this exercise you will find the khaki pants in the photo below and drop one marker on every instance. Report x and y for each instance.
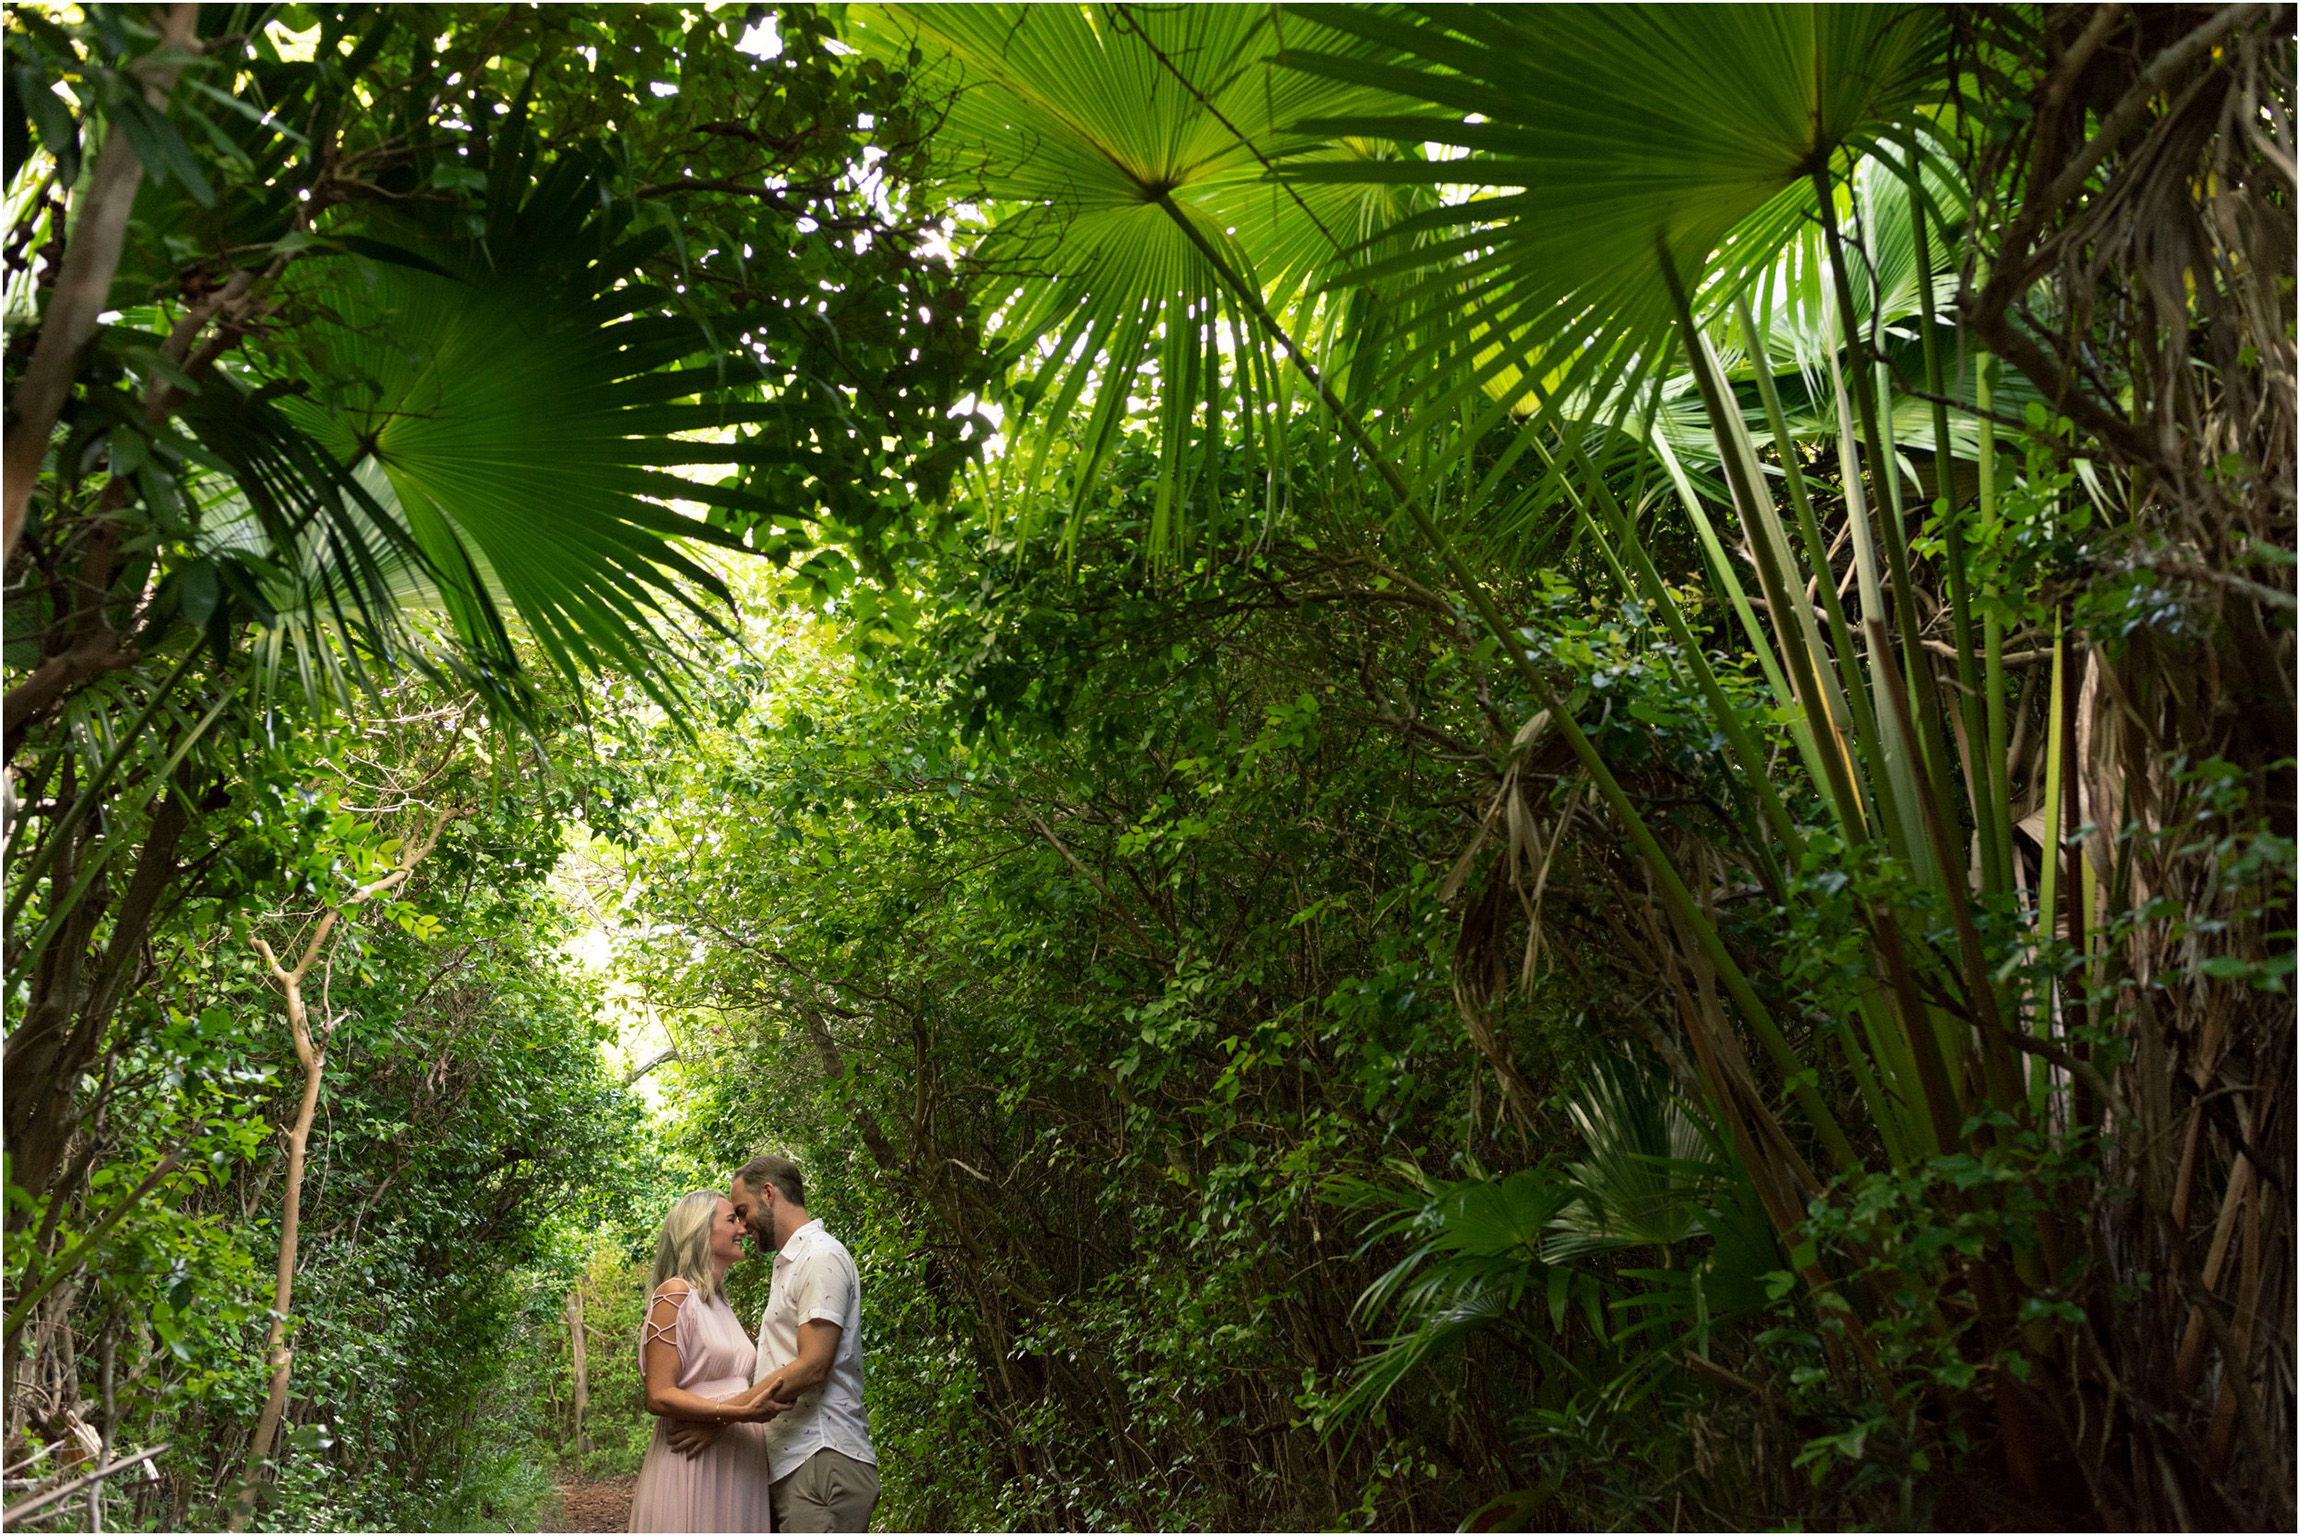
(830, 1491)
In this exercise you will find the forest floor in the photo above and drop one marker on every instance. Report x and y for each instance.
(592, 1504)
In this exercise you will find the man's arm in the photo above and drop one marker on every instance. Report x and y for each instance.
(822, 1291)
(818, 1347)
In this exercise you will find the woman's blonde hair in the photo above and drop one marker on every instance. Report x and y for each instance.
(683, 1248)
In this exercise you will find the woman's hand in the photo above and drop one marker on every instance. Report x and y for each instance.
(691, 1437)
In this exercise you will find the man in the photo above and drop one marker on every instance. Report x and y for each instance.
(810, 1353)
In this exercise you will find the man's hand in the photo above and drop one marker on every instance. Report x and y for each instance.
(691, 1437)
(763, 1403)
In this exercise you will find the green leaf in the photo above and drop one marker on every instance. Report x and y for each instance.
(197, 593)
(159, 146)
(502, 439)
(1094, 131)
(51, 120)
(1578, 176)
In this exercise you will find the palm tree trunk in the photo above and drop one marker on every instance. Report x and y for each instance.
(84, 283)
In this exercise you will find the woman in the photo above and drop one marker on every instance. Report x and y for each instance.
(697, 1359)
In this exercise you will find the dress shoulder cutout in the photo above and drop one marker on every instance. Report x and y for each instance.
(673, 1293)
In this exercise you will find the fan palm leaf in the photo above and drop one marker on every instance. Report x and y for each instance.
(1594, 149)
(1474, 1260)
(500, 441)
(1088, 133)
(1648, 1163)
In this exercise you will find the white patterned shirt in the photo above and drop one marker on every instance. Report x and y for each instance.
(815, 1280)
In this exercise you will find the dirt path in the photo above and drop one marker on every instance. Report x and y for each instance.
(587, 1505)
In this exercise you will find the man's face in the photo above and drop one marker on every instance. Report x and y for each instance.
(757, 1208)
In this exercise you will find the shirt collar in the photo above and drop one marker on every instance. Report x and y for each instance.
(798, 1241)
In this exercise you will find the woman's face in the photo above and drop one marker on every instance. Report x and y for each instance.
(726, 1233)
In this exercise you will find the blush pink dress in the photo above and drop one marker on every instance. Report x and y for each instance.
(724, 1488)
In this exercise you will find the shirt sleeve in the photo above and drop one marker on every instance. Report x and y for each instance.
(825, 1290)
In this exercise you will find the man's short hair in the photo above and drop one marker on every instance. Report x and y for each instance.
(781, 1172)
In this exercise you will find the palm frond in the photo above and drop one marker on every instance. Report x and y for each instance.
(1649, 1159)
(501, 442)
(1087, 134)
(1590, 149)
(1474, 1260)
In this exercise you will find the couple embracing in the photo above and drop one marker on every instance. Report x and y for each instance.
(764, 1435)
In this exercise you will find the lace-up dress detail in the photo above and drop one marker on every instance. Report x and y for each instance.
(725, 1488)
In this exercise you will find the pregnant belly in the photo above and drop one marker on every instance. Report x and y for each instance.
(719, 1386)
(740, 1441)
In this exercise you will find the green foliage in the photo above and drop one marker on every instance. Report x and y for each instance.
(1703, 153)
(1092, 134)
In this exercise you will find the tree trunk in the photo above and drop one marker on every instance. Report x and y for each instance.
(107, 1353)
(84, 284)
(61, 1033)
(314, 1058)
(582, 1368)
(276, 1348)
(74, 994)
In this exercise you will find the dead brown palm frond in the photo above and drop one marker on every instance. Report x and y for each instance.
(2129, 802)
(2150, 199)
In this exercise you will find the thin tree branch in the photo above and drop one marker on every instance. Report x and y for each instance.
(660, 1059)
(18, 1511)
